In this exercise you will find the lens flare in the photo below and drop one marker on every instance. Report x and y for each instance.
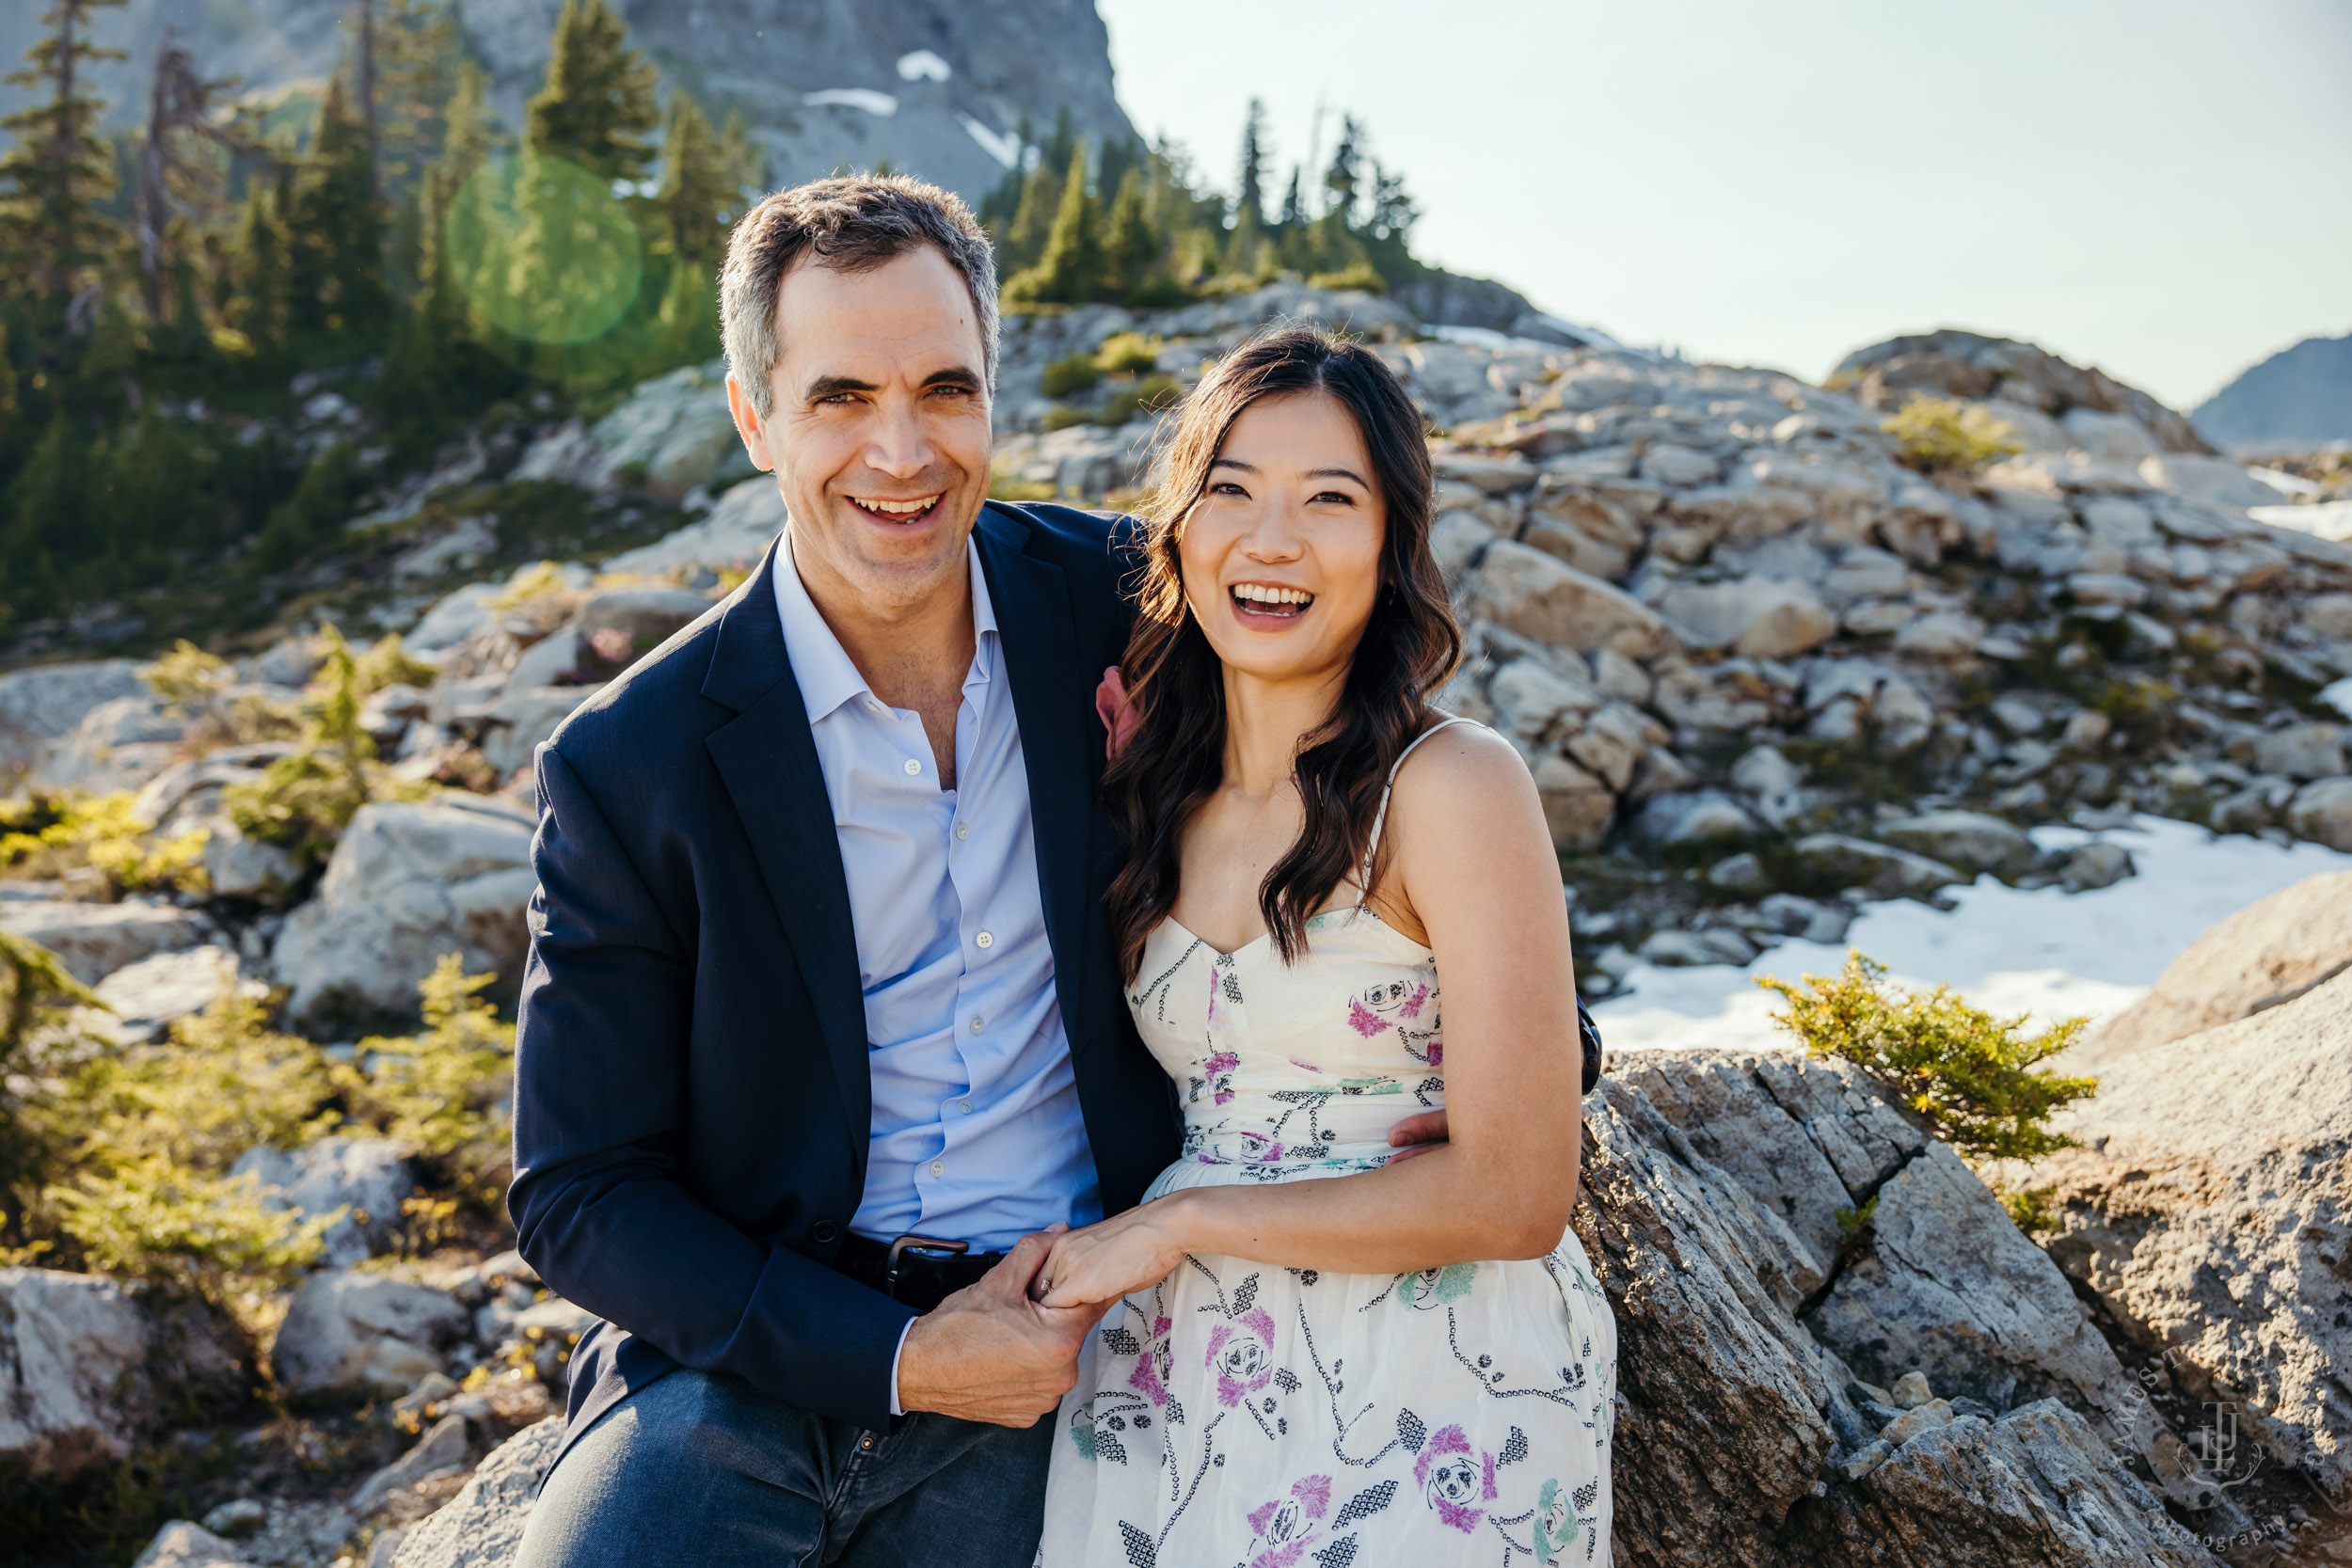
(544, 250)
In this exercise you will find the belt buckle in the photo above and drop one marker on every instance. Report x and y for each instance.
(921, 1246)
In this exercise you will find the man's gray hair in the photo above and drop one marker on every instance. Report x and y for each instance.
(852, 222)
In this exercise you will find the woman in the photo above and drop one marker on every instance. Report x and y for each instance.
(1318, 1352)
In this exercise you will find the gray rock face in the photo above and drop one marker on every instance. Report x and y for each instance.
(93, 941)
(73, 1349)
(349, 1332)
(443, 1448)
(2322, 811)
(146, 996)
(368, 1177)
(45, 705)
(1841, 861)
(1967, 839)
(184, 1544)
(2211, 1210)
(409, 881)
(736, 533)
(2269, 953)
(1736, 1440)
(1753, 616)
(120, 744)
(482, 1526)
(1536, 595)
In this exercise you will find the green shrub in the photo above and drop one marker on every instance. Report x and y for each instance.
(1075, 373)
(1128, 354)
(1149, 395)
(1967, 1074)
(1943, 435)
(304, 800)
(446, 1089)
(195, 685)
(1362, 275)
(62, 836)
(388, 664)
(1061, 416)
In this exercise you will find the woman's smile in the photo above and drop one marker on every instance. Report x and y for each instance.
(1268, 605)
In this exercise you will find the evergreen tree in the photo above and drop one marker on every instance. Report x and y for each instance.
(417, 62)
(696, 186)
(60, 171)
(178, 183)
(1294, 211)
(1340, 179)
(335, 271)
(259, 265)
(1033, 217)
(1063, 143)
(598, 103)
(746, 168)
(998, 206)
(41, 512)
(1130, 248)
(1249, 190)
(1071, 268)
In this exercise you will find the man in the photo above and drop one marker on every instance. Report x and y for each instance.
(820, 1033)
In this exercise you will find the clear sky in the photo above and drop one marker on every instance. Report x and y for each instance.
(2161, 188)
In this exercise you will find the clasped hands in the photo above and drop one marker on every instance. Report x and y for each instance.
(1004, 1350)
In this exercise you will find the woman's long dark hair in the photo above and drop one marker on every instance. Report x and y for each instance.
(1174, 760)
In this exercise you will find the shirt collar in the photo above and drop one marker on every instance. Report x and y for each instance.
(827, 675)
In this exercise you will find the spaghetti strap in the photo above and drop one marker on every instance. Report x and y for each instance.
(1380, 817)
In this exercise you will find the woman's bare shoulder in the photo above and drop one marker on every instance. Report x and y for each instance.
(1460, 766)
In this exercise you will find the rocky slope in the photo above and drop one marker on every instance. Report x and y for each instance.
(2297, 400)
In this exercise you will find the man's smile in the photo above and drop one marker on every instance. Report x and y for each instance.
(897, 511)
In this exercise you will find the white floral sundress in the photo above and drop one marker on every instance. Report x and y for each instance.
(1238, 1414)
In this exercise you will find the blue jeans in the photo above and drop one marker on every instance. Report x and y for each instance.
(706, 1470)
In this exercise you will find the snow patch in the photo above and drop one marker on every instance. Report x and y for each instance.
(2325, 520)
(1003, 146)
(877, 103)
(2047, 953)
(921, 65)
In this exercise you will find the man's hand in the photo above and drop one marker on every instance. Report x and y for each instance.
(1417, 1135)
(988, 1352)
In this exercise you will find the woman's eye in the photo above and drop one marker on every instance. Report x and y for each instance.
(1331, 498)
(1227, 487)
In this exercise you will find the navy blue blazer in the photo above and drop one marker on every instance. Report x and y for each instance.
(692, 1097)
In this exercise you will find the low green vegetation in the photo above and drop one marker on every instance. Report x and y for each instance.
(76, 837)
(117, 1158)
(1944, 437)
(304, 800)
(1969, 1076)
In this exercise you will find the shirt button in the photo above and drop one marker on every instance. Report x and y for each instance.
(978, 1024)
(963, 830)
(984, 939)
(964, 1106)
(913, 766)
(938, 1168)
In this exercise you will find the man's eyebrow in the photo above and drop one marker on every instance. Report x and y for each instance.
(955, 375)
(828, 385)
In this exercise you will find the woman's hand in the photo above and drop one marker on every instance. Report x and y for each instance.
(1102, 1262)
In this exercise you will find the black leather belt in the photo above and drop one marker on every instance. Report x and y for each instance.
(917, 1269)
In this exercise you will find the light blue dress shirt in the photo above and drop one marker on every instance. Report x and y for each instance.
(977, 1133)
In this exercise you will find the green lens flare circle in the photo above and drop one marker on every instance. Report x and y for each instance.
(544, 250)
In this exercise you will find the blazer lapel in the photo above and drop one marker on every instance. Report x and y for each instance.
(768, 758)
(1049, 699)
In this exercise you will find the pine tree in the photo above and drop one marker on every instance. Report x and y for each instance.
(598, 103)
(1033, 218)
(60, 171)
(259, 265)
(696, 186)
(1340, 179)
(179, 180)
(999, 205)
(1071, 268)
(1130, 248)
(335, 272)
(1294, 208)
(745, 164)
(1250, 192)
